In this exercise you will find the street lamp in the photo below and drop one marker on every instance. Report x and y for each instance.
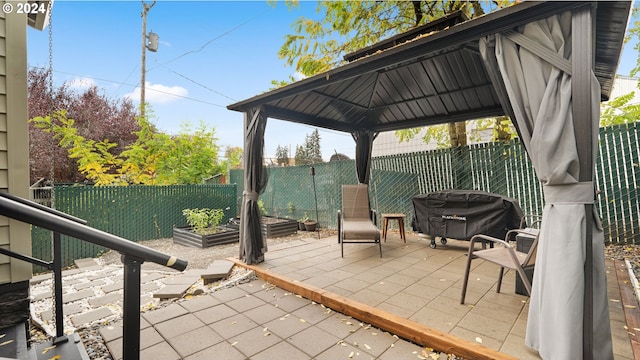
(148, 42)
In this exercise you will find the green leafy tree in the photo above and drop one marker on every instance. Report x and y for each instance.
(619, 111)
(153, 159)
(234, 156)
(346, 26)
(282, 155)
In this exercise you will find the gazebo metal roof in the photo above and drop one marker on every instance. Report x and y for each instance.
(431, 79)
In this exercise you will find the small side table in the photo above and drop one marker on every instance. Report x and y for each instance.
(385, 224)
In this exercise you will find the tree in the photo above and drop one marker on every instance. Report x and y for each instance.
(301, 156)
(319, 45)
(96, 117)
(153, 159)
(618, 111)
(282, 155)
(312, 147)
(234, 155)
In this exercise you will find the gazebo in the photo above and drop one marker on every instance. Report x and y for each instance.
(546, 65)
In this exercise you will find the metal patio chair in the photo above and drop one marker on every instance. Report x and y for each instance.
(357, 222)
(504, 255)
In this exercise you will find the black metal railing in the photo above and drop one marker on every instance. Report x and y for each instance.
(133, 255)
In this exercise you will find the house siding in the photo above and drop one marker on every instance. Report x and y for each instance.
(14, 141)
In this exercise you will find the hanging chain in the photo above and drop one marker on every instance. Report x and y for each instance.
(52, 172)
(51, 105)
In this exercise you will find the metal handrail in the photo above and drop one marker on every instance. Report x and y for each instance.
(133, 255)
(32, 213)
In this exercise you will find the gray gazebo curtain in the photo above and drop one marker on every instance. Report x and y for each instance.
(252, 244)
(364, 145)
(540, 95)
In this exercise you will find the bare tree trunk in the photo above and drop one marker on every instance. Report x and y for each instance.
(458, 134)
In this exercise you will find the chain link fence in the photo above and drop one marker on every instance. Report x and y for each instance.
(501, 168)
(150, 212)
(135, 213)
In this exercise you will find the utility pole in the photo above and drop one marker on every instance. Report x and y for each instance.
(145, 10)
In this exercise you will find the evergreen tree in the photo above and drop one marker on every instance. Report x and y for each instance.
(301, 156)
(312, 147)
(282, 155)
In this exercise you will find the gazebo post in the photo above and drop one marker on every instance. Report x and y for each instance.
(583, 118)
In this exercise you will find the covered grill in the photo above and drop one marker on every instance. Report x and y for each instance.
(460, 214)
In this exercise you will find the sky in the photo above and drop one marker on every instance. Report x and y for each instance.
(210, 54)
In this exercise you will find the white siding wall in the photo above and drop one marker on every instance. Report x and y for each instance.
(14, 140)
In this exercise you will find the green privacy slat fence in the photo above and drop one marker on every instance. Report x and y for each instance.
(502, 168)
(149, 212)
(133, 212)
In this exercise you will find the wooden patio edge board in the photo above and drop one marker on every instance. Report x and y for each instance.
(404, 328)
(629, 305)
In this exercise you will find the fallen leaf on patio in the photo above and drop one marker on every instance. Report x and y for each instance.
(478, 340)
(434, 356)
(45, 350)
(396, 336)
(392, 345)
(625, 327)
(328, 311)
(287, 315)
(478, 279)
(265, 329)
(614, 300)
(55, 357)
(374, 333)
(367, 347)
(303, 320)
(352, 331)
(351, 354)
(381, 282)
(267, 334)
(299, 296)
(630, 306)
(422, 357)
(349, 323)
(234, 343)
(429, 349)
(355, 343)
(2, 335)
(282, 318)
(636, 329)
(443, 279)
(313, 303)
(234, 322)
(6, 342)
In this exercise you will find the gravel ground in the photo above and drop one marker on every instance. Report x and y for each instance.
(622, 252)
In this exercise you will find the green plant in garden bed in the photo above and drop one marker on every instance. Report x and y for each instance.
(203, 221)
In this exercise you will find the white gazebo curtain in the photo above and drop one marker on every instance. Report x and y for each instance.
(535, 65)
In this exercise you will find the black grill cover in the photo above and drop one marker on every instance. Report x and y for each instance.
(460, 214)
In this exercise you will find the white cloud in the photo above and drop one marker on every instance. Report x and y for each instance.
(158, 93)
(298, 76)
(82, 83)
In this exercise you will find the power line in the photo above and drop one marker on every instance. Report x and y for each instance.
(134, 86)
(197, 83)
(215, 38)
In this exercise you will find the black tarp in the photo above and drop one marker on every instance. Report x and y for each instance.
(460, 214)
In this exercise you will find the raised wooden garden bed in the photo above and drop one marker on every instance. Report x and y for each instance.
(272, 226)
(224, 235)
